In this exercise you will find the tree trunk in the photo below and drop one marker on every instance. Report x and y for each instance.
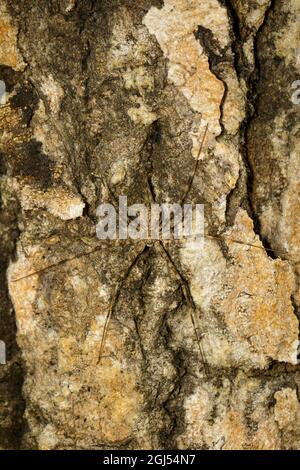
(150, 344)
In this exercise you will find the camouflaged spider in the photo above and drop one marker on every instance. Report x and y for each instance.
(165, 254)
(168, 258)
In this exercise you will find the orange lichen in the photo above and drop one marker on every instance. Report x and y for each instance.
(9, 54)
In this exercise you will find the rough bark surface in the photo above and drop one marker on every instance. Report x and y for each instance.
(113, 97)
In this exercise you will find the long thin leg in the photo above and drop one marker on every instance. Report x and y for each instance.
(113, 304)
(190, 302)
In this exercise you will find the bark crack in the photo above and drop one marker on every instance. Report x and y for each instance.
(242, 194)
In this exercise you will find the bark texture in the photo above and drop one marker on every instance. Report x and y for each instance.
(113, 97)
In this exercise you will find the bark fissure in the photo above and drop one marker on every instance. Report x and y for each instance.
(251, 78)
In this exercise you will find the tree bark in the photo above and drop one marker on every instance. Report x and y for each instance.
(149, 344)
